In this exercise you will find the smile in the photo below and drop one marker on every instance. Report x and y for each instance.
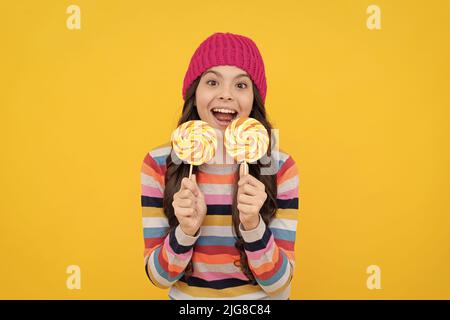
(224, 115)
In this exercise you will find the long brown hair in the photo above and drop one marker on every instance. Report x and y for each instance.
(176, 172)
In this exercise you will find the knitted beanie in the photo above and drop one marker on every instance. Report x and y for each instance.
(227, 49)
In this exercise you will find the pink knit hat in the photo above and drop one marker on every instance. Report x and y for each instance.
(227, 49)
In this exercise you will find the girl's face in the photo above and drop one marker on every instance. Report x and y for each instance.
(223, 94)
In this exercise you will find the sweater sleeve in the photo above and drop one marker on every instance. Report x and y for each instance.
(166, 255)
(270, 249)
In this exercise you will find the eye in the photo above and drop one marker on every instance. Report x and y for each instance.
(213, 81)
(240, 85)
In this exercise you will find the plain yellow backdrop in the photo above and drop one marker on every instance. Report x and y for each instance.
(365, 114)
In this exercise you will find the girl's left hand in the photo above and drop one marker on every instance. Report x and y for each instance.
(250, 199)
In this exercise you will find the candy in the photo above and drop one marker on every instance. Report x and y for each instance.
(246, 140)
(195, 142)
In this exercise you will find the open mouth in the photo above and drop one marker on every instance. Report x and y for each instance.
(224, 116)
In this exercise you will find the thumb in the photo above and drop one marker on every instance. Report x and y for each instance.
(242, 169)
(194, 180)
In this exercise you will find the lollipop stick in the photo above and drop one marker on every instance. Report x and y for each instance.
(190, 171)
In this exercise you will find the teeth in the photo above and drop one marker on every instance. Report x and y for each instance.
(223, 110)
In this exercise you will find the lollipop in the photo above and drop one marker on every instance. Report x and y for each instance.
(195, 142)
(246, 140)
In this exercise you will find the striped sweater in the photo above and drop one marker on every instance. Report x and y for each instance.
(269, 248)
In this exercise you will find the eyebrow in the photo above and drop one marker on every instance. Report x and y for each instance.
(219, 75)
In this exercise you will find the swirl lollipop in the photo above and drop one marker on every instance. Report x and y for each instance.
(195, 142)
(246, 140)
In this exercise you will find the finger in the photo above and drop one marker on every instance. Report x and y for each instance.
(186, 194)
(244, 180)
(185, 212)
(194, 180)
(197, 188)
(248, 189)
(246, 199)
(242, 169)
(187, 184)
(185, 203)
(246, 209)
(251, 180)
(256, 183)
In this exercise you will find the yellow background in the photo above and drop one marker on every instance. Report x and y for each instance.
(364, 113)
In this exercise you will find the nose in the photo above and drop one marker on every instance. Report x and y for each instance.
(225, 95)
(225, 98)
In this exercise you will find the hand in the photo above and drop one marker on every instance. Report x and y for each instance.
(250, 199)
(189, 206)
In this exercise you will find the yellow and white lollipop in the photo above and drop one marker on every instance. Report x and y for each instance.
(246, 140)
(195, 142)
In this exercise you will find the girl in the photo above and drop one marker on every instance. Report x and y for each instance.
(221, 234)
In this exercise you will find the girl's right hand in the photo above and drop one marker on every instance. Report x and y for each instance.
(189, 206)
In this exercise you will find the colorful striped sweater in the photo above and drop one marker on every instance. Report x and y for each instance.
(269, 249)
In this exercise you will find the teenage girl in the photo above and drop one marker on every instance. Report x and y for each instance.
(221, 234)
